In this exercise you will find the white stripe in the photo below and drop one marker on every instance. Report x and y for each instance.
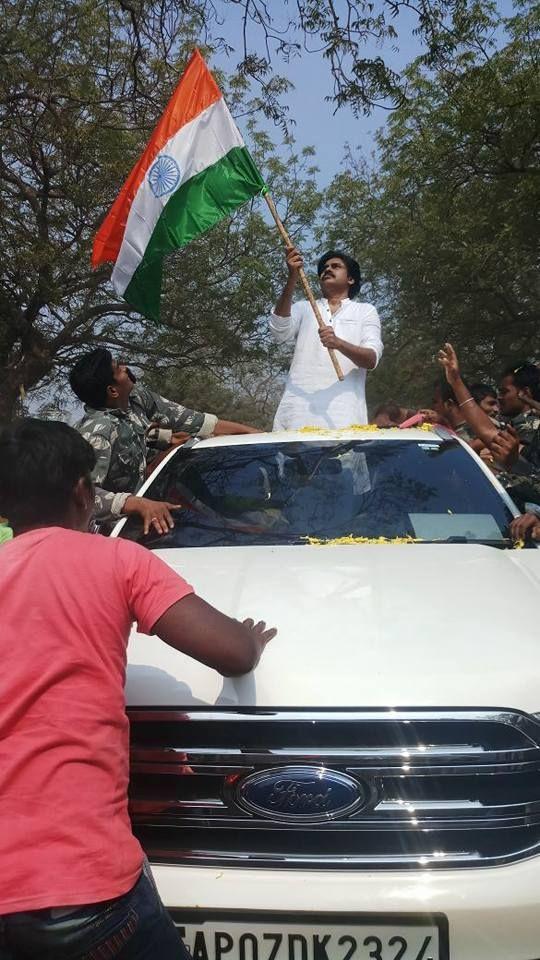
(197, 145)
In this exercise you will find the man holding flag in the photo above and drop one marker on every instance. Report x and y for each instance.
(313, 396)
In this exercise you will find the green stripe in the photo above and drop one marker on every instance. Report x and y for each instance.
(197, 205)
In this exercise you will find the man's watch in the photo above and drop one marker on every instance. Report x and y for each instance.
(158, 437)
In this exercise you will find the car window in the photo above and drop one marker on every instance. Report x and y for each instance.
(279, 493)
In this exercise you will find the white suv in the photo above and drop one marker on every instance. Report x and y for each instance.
(372, 790)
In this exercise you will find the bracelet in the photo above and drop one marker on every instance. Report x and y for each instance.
(468, 400)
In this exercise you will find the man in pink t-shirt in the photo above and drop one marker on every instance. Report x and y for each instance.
(72, 882)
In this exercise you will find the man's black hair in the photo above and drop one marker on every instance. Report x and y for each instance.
(525, 375)
(91, 375)
(482, 390)
(353, 269)
(391, 409)
(40, 463)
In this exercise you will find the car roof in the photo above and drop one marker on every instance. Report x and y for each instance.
(307, 434)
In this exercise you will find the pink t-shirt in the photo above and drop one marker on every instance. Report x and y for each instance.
(68, 600)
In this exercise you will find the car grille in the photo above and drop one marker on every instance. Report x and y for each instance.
(444, 788)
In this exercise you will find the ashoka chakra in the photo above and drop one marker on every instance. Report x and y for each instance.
(164, 175)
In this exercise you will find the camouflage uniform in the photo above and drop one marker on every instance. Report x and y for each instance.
(119, 441)
(526, 426)
(522, 488)
(523, 482)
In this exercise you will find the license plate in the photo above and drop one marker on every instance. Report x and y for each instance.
(244, 936)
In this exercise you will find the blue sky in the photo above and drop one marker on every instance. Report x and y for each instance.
(317, 123)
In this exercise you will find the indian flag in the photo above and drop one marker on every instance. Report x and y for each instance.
(195, 171)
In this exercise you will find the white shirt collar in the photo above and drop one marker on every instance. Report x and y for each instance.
(342, 304)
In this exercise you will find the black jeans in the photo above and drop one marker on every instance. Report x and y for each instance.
(135, 926)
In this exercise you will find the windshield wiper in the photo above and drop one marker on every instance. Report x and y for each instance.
(503, 543)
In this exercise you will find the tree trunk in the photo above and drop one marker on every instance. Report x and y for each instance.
(10, 402)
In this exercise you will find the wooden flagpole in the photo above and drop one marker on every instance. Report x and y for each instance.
(304, 281)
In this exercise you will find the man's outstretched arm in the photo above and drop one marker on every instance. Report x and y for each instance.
(226, 427)
(182, 419)
(197, 629)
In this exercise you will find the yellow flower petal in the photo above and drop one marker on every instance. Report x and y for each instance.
(350, 539)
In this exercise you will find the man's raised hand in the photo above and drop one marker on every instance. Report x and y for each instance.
(294, 259)
(447, 358)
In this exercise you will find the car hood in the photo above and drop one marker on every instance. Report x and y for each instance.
(377, 625)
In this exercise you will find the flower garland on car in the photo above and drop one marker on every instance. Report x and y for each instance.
(386, 541)
(351, 539)
(357, 428)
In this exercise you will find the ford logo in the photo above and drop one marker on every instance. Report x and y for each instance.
(301, 794)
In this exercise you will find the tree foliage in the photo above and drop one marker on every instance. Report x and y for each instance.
(446, 227)
(81, 87)
(71, 110)
(350, 35)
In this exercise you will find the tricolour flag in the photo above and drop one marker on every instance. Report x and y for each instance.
(195, 171)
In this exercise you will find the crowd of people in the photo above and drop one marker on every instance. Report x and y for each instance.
(502, 424)
(69, 600)
(130, 427)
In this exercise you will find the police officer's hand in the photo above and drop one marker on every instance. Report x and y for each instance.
(178, 438)
(525, 527)
(154, 514)
(505, 447)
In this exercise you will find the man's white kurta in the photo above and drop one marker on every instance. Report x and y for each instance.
(313, 395)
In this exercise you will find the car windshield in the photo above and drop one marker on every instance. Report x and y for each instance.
(289, 493)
